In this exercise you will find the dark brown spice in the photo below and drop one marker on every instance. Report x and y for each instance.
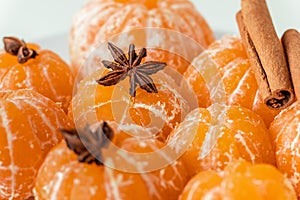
(18, 48)
(139, 74)
(88, 144)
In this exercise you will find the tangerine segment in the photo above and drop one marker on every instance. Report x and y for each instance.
(6, 59)
(240, 180)
(168, 180)
(158, 112)
(99, 21)
(148, 3)
(210, 138)
(200, 185)
(285, 132)
(46, 74)
(225, 63)
(64, 177)
(28, 128)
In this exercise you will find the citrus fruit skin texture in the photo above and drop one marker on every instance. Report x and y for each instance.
(29, 125)
(225, 65)
(64, 177)
(240, 180)
(285, 133)
(99, 20)
(157, 112)
(47, 74)
(220, 134)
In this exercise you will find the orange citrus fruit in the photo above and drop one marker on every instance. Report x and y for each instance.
(285, 133)
(46, 73)
(62, 176)
(28, 130)
(157, 112)
(240, 180)
(98, 21)
(225, 65)
(220, 134)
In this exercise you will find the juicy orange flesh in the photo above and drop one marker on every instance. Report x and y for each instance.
(46, 74)
(285, 137)
(206, 180)
(29, 125)
(113, 18)
(159, 112)
(148, 3)
(240, 180)
(229, 57)
(240, 133)
(8, 60)
(63, 176)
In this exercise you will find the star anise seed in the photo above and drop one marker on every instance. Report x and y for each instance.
(139, 74)
(25, 54)
(12, 45)
(87, 144)
(17, 47)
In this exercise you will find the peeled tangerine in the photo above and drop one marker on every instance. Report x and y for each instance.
(62, 177)
(285, 133)
(157, 112)
(210, 138)
(45, 73)
(29, 125)
(100, 20)
(240, 180)
(225, 65)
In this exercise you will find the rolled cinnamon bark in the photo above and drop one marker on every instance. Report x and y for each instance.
(265, 53)
(291, 44)
(252, 54)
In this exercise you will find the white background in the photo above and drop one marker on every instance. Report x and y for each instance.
(35, 20)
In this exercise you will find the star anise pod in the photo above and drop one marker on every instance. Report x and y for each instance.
(18, 48)
(87, 144)
(139, 74)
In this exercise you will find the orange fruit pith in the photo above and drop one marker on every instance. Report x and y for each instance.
(46, 74)
(98, 21)
(64, 177)
(240, 180)
(158, 112)
(28, 129)
(220, 134)
(225, 62)
(285, 133)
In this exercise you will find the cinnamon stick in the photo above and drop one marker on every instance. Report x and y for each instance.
(265, 53)
(291, 44)
(252, 54)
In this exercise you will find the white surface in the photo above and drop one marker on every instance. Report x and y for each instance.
(221, 14)
(35, 20)
(31, 19)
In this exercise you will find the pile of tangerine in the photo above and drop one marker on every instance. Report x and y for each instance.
(88, 146)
